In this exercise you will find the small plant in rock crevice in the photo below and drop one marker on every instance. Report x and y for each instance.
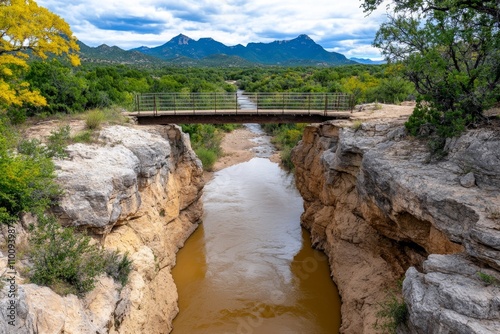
(488, 279)
(392, 313)
(356, 125)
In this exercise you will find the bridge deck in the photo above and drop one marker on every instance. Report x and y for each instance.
(239, 116)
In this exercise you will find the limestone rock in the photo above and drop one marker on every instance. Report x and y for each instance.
(41, 310)
(450, 297)
(100, 186)
(468, 180)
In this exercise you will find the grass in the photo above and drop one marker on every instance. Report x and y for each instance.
(356, 125)
(86, 137)
(94, 119)
(392, 312)
(488, 279)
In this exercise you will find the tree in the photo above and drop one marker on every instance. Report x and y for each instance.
(63, 90)
(451, 52)
(27, 29)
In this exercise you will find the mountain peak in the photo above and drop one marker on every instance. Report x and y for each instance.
(181, 39)
(304, 37)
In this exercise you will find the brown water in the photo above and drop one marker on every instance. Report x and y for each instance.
(250, 268)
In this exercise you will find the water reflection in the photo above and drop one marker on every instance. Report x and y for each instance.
(250, 268)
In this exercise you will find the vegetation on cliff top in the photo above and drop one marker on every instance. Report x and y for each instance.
(449, 50)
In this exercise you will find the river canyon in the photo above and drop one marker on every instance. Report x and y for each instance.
(375, 201)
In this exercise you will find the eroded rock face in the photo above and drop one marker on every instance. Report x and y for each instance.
(377, 204)
(450, 297)
(139, 192)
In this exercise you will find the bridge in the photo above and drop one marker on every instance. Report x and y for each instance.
(241, 107)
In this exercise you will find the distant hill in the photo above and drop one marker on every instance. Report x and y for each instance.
(368, 61)
(115, 55)
(184, 51)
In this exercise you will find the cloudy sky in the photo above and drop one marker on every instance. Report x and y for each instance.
(339, 26)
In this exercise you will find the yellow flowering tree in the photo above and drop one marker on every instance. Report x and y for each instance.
(28, 29)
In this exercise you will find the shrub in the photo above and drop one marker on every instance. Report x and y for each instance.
(207, 157)
(94, 119)
(286, 158)
(206, 140)
(17, 115)
(83, 137)
(427, 121)
(26, 178)
(118, 266)
(57, 142)
(63, 257)
(285, 137)
(68, 262)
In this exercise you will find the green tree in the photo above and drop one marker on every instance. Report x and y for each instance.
(63, 90)
(451, 52)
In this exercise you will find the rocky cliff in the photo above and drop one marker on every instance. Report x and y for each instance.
(382, 209)
(136, 191)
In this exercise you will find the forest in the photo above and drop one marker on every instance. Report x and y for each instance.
(75, 89)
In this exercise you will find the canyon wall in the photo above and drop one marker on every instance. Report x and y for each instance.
(136, 191)
(383, 209)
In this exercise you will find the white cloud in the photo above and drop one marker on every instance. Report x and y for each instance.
(337, 26)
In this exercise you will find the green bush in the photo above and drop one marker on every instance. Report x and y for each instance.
(68, 262)
(207, 157)
(206, 140)
(427, 121)
(94, 119)
(57, 142)
(61, 256)
(26, 177)
(17, 115)
(285, 137)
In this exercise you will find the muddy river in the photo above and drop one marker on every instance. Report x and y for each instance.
(250, 268)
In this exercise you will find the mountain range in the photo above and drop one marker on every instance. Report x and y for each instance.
(184, 51)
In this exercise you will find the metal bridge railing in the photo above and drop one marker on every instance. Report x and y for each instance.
(182, 103)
